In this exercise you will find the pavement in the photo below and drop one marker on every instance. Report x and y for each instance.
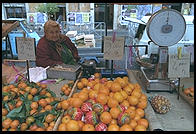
(181, 115)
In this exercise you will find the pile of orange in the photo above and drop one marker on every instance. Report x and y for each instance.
(40, 100)
(117, 98)
(189, 91)
(66, 88)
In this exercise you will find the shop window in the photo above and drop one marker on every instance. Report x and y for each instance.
(16, 12)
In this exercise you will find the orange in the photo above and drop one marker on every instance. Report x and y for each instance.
(133, 100)
(48, 94)
(63, 89)
(90, 84)
(48, 107)
(66, 119)
(140, 128)
(88, 127)
(142, 104)
(112, 102)
(42, 102)
(34, 105)
(131, 85)
(113, 121)
(109, 84)
(131, 112)
(85, 90)
(23, 127)
(50, 128)
(113, 127)
(77, 102)
(27, 89)
(133, 124)
(30, 97)
(14, 124)
(45, 125)
(137, 117)
(111, 94)
(75, 95)
(39, 129)
(81, 124)
(43, 92)
(118, 96)
(30, 119)
(125, 103)
(106, 117)
(114, 112)
(80, 85)
(33, 127)
(52, 124)
(126, 127)
(11, 107)
(102, 98)
(115, 87)
(49, 118)
(48, 100)
(104, 90)
(143, 122)
(83, 96)
(62, 127)
(128, 90)
(136, 94)
(33, 91)
(124, 94)
(93, 94)
(122, 82)
(19, 103)
(33, 111)
(12, 129)
(4, 112)
(140, 112)
(97, 87)
(65, 104)
(84, 81)
(97, 75)
(43, 86)
(143, 96)
(73, 125)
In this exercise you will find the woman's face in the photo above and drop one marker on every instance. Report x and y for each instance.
(53, 33)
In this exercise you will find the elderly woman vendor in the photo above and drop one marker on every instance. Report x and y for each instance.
(55, 48)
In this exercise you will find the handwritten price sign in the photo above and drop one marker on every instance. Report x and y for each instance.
(25, 48)
(113, 50)
(179, 67)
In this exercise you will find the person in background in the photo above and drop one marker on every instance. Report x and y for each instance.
(55, 48)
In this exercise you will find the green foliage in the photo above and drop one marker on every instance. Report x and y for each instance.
(49, 8)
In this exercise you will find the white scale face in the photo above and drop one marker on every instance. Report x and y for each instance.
(166, 27)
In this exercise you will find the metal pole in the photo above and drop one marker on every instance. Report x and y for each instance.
(111, 76)
(178, 87)
(27, 62)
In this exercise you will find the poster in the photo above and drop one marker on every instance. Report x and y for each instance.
(40, 18)
(71, 17)
(32, 18)
(79, 19)
(86, 17)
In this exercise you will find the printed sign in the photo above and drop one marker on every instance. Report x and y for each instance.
(179, 67)
(113, 50)
(25, 48)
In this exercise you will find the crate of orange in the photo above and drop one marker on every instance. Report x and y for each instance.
(104, 105)
(188, 95)
(29, 107)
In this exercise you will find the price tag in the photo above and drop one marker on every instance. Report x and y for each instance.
(113, 50)
(179, 68)
(25, 48)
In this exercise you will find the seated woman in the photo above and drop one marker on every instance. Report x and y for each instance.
(55, 48)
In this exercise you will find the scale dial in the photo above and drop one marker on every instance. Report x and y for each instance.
(166, 27)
